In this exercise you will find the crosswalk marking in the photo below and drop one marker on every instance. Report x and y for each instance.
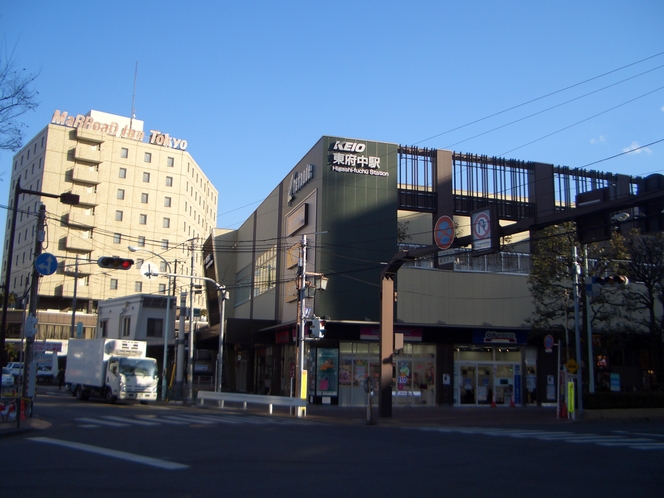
(164, 420)
(181, 419)
(129, 420)
(95, 422)
(625, 440)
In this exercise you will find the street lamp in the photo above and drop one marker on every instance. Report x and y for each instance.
(164, 380)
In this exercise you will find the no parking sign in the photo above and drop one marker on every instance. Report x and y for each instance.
(443, 232)
(483, 230)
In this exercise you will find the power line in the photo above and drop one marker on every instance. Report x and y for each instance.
(539, 98)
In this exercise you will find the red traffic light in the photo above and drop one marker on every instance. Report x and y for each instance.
(115, 263)
(613, 280)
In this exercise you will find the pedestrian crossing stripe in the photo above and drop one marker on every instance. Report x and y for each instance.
(638, 443)
(180, 419)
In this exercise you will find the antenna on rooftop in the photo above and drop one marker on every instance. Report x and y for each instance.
(133, 97)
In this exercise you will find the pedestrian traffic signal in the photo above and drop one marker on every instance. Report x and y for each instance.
(115, 263)
(317, 328)
(613, 280)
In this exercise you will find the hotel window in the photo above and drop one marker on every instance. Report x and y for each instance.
(123, 173)
(146, 177)
(170, 162)
(164, 244)
(118, 216)
(138, 286)
(169, 181)
(167, 202)
(121, 194)
(114, 284)
(148, 157)
(142, 219)
(117, 238)
(124, 153)
(141, 241)
(166, 223)
(144, 198)
(162, 267)
(162, 288)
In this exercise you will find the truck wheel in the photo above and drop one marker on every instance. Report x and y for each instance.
(109, 396)
(78, 392)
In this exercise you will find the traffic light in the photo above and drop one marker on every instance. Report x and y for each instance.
(613, 280)
(115, 263)
(317, 328)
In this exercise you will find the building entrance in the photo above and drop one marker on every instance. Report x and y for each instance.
(486, 375)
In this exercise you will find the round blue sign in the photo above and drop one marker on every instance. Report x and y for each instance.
(46, 264)
(548, 341)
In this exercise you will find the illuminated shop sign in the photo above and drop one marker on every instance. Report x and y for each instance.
(496, 337)
(299, 180)
(113, 129)
(347, 157)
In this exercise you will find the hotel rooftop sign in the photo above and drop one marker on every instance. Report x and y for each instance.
(113, 129)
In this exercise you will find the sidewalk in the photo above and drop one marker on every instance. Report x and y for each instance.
(483, 416)
(439, 415)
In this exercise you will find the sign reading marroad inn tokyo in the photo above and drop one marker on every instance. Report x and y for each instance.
(113, 129)
(347, 157)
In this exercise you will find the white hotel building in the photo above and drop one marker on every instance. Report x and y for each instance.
(136, 187)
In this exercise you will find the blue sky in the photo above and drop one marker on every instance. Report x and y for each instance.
(253, 85)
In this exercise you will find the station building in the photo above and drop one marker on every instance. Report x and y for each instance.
(340, 215)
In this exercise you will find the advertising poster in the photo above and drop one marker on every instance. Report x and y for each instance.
(327, 372)
(403, 377)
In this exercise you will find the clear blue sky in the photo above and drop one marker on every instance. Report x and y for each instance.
(252, 85)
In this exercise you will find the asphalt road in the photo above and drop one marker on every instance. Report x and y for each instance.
(96, 449)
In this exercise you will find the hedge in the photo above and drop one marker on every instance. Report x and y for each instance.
(607, 400)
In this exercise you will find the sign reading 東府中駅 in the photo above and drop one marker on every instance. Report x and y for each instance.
(113, 129)
(348, 157)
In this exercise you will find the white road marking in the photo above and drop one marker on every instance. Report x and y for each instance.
(122, 455)
(102, 422)
(164, 420)
(638, 443)
(129, 420)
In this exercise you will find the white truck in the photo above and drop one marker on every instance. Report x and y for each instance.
(111, 368)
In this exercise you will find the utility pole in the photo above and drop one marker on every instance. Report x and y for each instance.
(29, 371)
(180, 347)
(576, 270)
(302, 375)
(72, 334)
(190, 363)
(591, 361)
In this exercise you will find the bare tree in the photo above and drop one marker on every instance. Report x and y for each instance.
(16, 98)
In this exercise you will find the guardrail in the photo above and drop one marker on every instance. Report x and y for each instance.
(252, 398)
